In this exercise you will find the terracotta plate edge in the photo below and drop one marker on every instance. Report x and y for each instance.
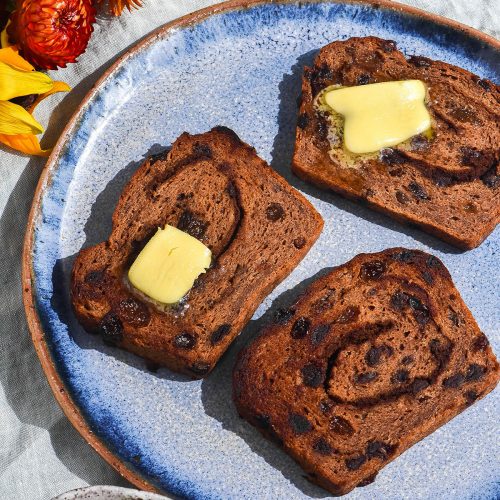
(57, 385)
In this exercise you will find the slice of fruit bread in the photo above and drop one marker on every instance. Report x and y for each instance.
(447, 183)
(214, 187)
(375, 356)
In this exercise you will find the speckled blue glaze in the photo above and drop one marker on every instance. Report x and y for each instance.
(242, 69)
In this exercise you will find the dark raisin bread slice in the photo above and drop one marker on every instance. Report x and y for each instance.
(376, 355)
(217, 189)
(448, 185)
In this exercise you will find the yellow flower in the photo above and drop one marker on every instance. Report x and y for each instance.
(18, 78)
(4, 38)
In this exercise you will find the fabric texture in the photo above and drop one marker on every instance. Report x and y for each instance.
(41, 454)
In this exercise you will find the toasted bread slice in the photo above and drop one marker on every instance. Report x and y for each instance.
(449, 184)
(375, 355)
(216, 188)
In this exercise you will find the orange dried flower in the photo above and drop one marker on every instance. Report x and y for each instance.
(52, 33)
(116, 6)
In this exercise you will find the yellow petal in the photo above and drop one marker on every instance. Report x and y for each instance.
(56, 87)
(14, 119)
(4, 38)
(26, 143)
(15, 83)
(10, 56)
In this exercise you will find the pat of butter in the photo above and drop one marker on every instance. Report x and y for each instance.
(167, 266)
(380, 115)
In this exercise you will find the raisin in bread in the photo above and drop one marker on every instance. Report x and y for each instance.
(448, 185)
(375, 356)
(216, 188)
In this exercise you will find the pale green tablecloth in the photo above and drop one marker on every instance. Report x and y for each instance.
(41, 455)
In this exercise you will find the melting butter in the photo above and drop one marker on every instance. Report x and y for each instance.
(168, 265)
(380, 115)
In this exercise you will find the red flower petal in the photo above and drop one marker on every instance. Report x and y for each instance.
(52, 33)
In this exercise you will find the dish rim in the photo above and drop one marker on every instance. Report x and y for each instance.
(57, 385)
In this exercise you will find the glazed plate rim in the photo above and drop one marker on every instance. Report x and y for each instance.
(58, 386)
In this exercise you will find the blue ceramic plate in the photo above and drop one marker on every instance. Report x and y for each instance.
(238, 66)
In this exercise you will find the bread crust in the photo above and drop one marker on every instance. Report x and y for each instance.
(449, 186)
(217, 189)
(374, 356)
